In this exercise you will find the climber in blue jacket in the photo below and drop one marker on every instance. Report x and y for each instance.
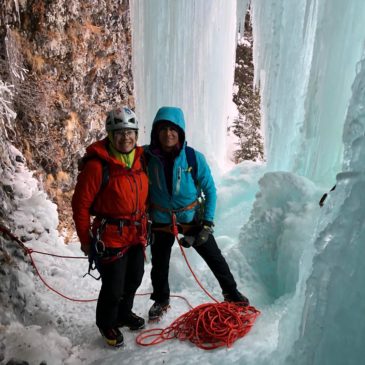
(177, 175)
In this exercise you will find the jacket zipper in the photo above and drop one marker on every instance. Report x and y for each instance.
(158, 177)
(178, 184)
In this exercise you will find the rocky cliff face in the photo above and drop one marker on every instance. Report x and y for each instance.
(69, 62)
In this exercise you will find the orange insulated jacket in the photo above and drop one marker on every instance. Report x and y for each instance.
(124, 197)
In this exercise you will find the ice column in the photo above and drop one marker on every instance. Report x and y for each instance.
(183, 55)
(305, 55)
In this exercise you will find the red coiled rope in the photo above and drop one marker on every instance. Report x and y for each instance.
(208, 326)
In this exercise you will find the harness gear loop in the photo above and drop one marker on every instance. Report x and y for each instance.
(99, 253)
(97, 250)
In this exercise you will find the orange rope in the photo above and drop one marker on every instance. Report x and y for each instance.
(195, 277)
(29, 251)
(51, 288)
(208, 326)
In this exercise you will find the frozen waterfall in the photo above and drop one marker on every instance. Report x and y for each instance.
(183, 54)
(306, 55)
(309, 58)
(301, 265)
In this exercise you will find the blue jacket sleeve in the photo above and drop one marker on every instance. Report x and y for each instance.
(206, 183)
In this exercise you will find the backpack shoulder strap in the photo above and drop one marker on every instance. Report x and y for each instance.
(145, 159)
(105, 168)
(104, 178)
(191, 158)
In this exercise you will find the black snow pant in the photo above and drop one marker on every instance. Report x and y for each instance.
(120, 281)
(210, 253)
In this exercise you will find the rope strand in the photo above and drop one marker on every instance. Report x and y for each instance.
(29, 251)
(54, 290)
(195, 277)
(208, 326)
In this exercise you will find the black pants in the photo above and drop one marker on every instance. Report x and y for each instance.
(210, 253)
(120, 281)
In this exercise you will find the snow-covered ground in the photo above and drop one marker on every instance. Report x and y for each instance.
(39, 325)
(300, 265)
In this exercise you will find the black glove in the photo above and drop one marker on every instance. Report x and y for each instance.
(187, 241)
(203, 236)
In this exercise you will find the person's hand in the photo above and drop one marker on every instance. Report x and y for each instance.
(203, 236)
(187, 241)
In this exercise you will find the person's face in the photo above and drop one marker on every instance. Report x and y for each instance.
(124, 140)
(169, 137)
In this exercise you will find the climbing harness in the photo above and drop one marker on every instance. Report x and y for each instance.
(99, 254)
(188, 207)
(175, 227)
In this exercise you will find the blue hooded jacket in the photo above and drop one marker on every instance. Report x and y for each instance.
(184, 191)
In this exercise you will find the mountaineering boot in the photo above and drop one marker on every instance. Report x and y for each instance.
(237, 297)
(113, 336)
(132, 321)
(157, 310)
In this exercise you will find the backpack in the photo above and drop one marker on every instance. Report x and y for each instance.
(105, 175)
(190, 157)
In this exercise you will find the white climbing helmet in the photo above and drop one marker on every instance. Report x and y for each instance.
(121, 118)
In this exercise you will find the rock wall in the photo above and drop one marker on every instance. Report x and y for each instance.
(69, 62)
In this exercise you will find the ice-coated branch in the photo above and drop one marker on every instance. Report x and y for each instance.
(6, 96)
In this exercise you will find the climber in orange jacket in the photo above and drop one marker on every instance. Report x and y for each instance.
(113, 186)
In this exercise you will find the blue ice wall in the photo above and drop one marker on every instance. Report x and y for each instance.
(306, 53)
(309, 58)
(300, 264)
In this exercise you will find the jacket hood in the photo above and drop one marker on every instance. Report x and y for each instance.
(171, 114)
